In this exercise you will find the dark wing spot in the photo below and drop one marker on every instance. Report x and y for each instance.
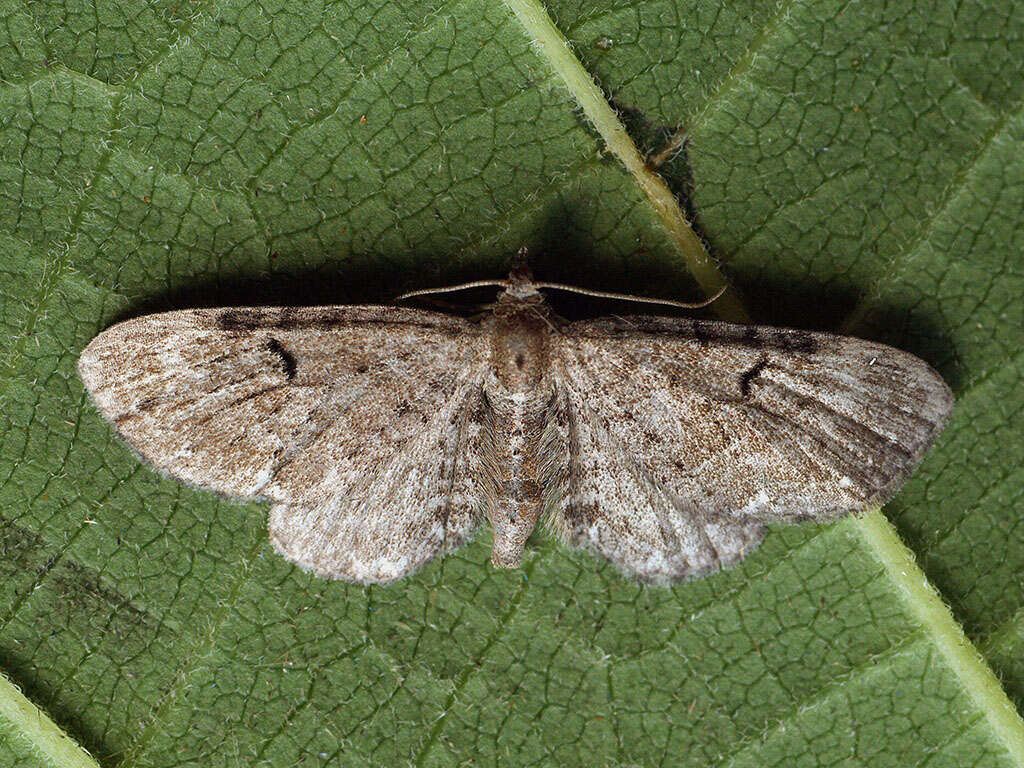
(291, 319)
(781, 339)
(579, 515)
(703, 333)
(288, 364)
(801, 341)
(239, 320)
(748, 376)
(146, 404)
(754, 338)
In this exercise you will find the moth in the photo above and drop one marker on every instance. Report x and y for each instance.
(382, 436)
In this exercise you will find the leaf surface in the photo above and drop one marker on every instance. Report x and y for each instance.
(853, 166)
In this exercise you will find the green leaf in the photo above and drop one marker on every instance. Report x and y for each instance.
(853, 166)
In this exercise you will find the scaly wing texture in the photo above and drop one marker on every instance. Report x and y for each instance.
(683, 437)
(354, 421)
(598, 496)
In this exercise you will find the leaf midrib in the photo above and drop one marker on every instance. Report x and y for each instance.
(552, 46)
(38, 732)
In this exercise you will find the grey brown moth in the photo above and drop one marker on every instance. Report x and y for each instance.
(383, 435)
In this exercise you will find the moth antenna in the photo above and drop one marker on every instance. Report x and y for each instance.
(449, 288)
(630, 297)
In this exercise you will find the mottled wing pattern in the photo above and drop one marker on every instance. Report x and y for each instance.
(681, 438)
(600, 497)
(355, 421)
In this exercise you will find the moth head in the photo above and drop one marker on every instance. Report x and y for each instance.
(520, 283)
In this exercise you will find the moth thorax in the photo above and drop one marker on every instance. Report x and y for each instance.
(519, 351)
(520, 282)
